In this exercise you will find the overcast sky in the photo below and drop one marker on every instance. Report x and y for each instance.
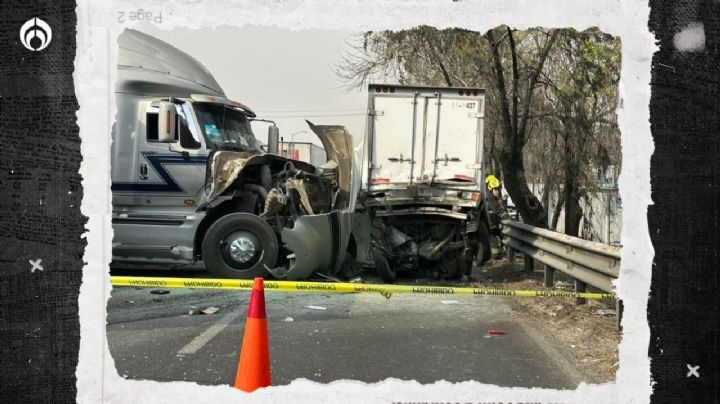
(280, 74)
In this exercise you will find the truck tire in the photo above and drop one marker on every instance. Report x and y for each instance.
(484, 251)
(240, 245)
(383, 268)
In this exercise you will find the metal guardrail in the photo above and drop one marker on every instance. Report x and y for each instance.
(588, 262)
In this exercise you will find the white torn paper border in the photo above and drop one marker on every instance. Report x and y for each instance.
(97, 31)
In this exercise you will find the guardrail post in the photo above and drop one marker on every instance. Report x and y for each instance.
(529, 264)
(510, 255)
(618, 313)
(549, 276)
(580, 287)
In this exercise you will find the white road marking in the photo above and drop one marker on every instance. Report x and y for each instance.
(202, 339)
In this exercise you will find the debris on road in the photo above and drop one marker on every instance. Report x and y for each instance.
(357, 279)
(159, 292)
(210, 310)
(559, 316)
(316, 307)
(450, 302)
(496, 332)
(194, 311)
(332, 278)
(288, 319)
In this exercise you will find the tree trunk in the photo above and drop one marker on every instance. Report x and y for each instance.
(527, 204)
(573, 211)
(556, 213)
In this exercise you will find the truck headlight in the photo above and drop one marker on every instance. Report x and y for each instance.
(472, 196)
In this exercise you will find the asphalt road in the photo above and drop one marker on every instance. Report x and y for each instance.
(362, 337)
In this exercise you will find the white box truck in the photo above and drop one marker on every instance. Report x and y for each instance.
(422, 190)
(190, 182)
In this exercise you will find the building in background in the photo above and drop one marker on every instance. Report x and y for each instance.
(304, 151)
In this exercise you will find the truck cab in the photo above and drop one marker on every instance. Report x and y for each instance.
(190, 182)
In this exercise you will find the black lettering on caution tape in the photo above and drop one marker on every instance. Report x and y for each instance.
(305, 286)
(202, 284)
(432, 290)
(146, 283)
(494, 292)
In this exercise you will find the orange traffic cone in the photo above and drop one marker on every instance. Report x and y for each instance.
(253, 369)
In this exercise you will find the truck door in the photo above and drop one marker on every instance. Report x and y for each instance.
(171, 175)
(394, 128)
(452, 141)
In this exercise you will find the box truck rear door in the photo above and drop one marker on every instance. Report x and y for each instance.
(452, 138)
(393, 130)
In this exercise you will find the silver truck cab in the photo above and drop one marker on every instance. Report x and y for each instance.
(190, 182)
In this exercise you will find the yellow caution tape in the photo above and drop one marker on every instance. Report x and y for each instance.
(327, 287)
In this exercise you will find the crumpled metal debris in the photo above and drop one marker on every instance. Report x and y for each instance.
(194, 311)
(274, 203)
(159, 292)
(299, 185)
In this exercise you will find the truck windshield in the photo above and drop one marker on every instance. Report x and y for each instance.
(225, 128)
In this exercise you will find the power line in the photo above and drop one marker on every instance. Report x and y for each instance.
(310, 110)
(310, 116)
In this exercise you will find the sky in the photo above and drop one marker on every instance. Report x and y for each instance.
(280, 74)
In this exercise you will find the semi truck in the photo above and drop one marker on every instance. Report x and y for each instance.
(190, 183)
(422, 207)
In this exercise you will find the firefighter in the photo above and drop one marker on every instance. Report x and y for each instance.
(496, 210)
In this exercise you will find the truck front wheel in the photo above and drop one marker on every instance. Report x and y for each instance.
(240, 245)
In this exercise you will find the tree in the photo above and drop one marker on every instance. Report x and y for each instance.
(516, 102)
(554, 90)
(580, 91)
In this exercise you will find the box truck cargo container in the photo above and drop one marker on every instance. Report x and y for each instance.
(422, 182)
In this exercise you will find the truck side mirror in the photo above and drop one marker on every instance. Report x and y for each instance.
(166, 122)
(273, 138)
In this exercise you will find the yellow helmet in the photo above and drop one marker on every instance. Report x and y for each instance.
(492, 182)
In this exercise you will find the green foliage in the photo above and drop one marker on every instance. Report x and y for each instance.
(551, 94)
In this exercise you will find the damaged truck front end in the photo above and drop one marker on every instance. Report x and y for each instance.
(267, 214)
(191, 183)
